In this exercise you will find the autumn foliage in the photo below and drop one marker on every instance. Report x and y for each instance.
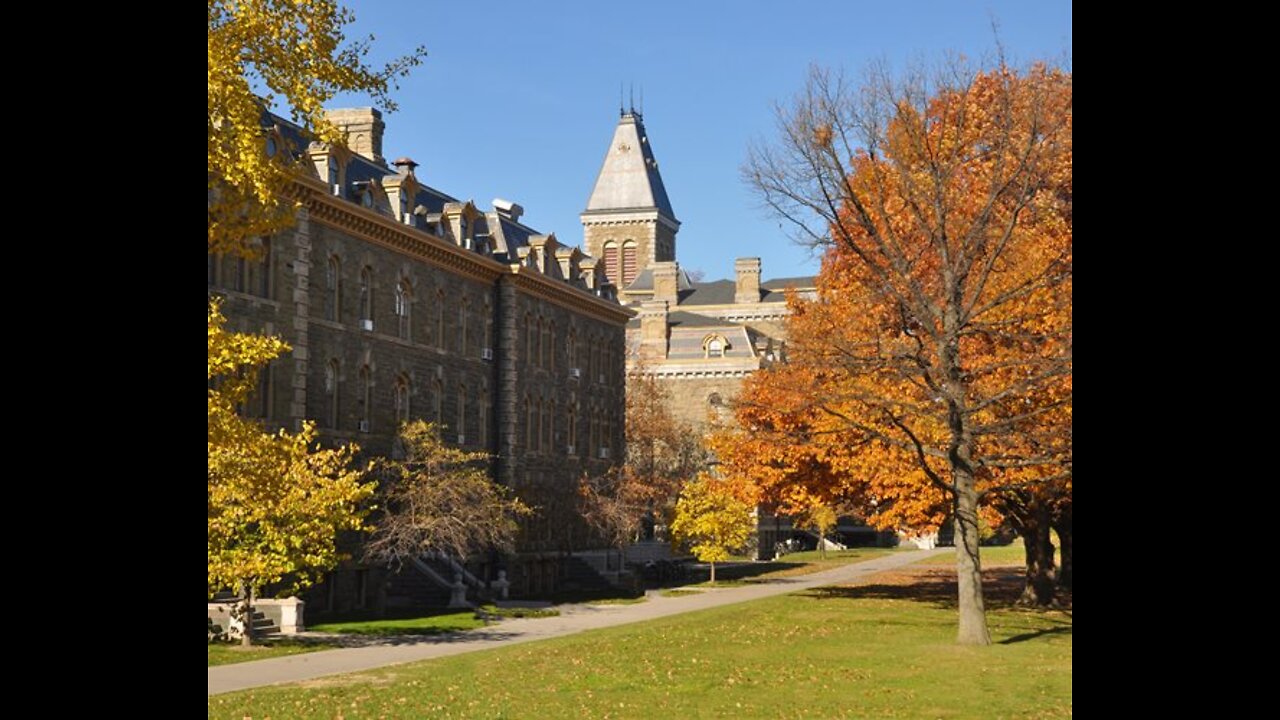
(932, 374)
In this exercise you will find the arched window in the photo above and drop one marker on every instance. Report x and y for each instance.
(571, 429)
(437, 415)
(264, 269)
(487, 341)
(403, 302)
(464, 309)
(571, 348)
(366, 298)
(628, 262)
(366, 399)
(440, 319)
(402, 399)
(611, 261)
(331, 393)
(529, 426)
(333, 286)
(544, 342)
(551, 346)
(462, 414)
(714, 346)
(544, 429)
(482, 434)
(530, 331)
(241, 279)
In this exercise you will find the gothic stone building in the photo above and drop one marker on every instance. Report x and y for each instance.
(700, 338)
(401, 301)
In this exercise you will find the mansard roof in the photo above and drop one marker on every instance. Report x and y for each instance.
(629, 177)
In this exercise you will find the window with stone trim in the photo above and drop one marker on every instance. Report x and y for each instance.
(628, 262)
(402, 399)
(463, 311)
(551, 346)
(571, 348)
(366, 295)
(482, 429)
(611, 261)
(571, 431)
(529, 426)
(264, 270)
(333, 289)
(462, 414)
(366, 399)
(530, 330)
(440, 319)
(404, 302)
(437, 410)
(331, 393)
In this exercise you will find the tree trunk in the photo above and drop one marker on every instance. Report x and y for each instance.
(822, 545)
(1039, 553)
(973, 617)
(246, 616)
(713, 573)
(1062, 523)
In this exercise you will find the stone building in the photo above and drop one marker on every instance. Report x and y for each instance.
(700, 338)
(401, 301)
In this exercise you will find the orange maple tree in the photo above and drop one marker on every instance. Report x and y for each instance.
(932, 373)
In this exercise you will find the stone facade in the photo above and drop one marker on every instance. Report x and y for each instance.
(401, 302)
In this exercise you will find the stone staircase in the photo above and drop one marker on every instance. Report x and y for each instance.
(580, 575)
(410, 587)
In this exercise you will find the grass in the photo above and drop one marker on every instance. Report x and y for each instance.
(680, 593)
(228, 653)
(518, 612)
(801, 563)
(990, 555)
(884, 648)
(428, 625)
(618, 601)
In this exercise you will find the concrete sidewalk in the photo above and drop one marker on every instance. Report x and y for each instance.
(573, 619)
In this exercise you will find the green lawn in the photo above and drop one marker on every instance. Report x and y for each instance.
(876, 650)
(989, 555)
(227, 653)
(680, 593)
(618, 601)
(429, 625)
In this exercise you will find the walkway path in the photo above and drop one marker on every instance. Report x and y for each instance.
(573, 619)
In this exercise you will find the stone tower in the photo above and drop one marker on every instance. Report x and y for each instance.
(629, 223)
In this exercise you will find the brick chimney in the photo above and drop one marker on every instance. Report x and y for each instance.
(666, 285)
(364, 128)
(748, 285)
(653, 330)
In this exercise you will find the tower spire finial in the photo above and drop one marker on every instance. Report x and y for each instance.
(641, 99)
(632, 91)
(621, 112)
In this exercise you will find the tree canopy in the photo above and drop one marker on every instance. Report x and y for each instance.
(933, 371)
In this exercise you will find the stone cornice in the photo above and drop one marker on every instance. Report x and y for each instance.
(531, 282)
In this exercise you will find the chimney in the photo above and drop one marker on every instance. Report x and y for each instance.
(363, 127)
(507, 209)
(653, 330)
(405, 166)
(665, 281)
(748, 286)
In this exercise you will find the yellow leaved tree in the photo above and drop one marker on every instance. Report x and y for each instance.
(276, 504)
(711, 520)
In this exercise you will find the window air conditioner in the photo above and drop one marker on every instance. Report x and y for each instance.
(575, 373)
(569, 449)
(364, 426)
(462, 439)
(366, 325)
(604, 453)
(486, 354)
(337, 190)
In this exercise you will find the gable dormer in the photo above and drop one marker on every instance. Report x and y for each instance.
(567, 258)
(401, 189)
(371, 195)
(458, 221)
(330, 162)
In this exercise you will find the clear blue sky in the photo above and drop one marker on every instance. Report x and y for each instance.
(519, 99)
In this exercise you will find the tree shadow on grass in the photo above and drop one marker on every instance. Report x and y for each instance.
(354, 640)
(1001, 589)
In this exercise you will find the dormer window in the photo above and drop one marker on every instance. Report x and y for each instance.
(366, 198)
(462, 224)
(333, 171)
(714, 346)
(272, 146)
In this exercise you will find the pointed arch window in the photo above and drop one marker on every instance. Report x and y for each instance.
(571, 431)
(464, 309)
(628, 262)
(333, 289)
(402, 399)
(482, 434)
(437, 414)
(331, 394)
(404, 300)
(440, 319)
(366, 298)
(462, 414)
(529, 426)
(264, 270)
(366, 399)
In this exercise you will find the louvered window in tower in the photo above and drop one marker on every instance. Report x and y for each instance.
(628, 262)
(611, 262)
